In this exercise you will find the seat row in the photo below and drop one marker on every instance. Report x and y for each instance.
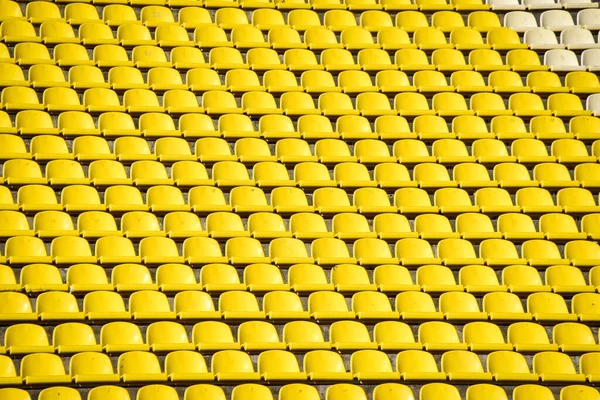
(535, 5)
(204, 200)
(280, 366)
(408, 56)
(247, 37)
(242, 250)
(252, 150)
(573, 39)
(258, 103)
(302, 278)
(555, 20)
(240, 81)
(279, 38)
(229, 15)
(264, 18)
(298, 337)
(229, 174)
(265, 226)
(310, 127)
(115, 15)
(298, 391)
(148, 305)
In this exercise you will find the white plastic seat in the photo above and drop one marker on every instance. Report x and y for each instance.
(557, 20)
(520, 21)
(507, 5)
(541, 39)
(593, 104)
(562, 60)
(541, 4)
(589, 19)
(578, 39)
(590, 60)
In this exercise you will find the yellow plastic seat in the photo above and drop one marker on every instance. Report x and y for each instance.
(308, 278)
(460, 306)
(110, 55)
(43, 368)
(150, 305)
(451, 151)
(16, 31)
(219, 277)
(269, 174)
(186, 57)
(194, 305)
(462, 365)
(323, 365)
(585, 308)
(417, 365)
(540, 252)
(515, 226)
(529, 337)
(121, 337)
(213, 336)
(198, 391)
(263, 225)
(89, 367)
(549, 306)
(350, 278)
(467, 38)
(96, 33)
(409, 59)
(11, 11)
(571, 151)
(16, 307)
(258, 103)
(232, 365)
(413, 201)
(153, 16)
(504, 307)
(393, 335)
(431, 127)
(509, 366)
(282, 305)
(60, 392)
(74, 337)
(305, 335)
(41, 277)
(555, 367)
(87, 277)
(290, 200)
(484, 336)
(277, 127)
(372, 200)
(102, 305)
(131, 277)
(416, 306)
(139, 366)
(25, 339)
(574, 337)
(560, 227)
(393, 38)
(574, 391)
(259, 336)
(115, 250)
(472, 176)
(469, 82)
(523, 279)
(432, 176)
(371, 365)
(328, 305)
(453, 60)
